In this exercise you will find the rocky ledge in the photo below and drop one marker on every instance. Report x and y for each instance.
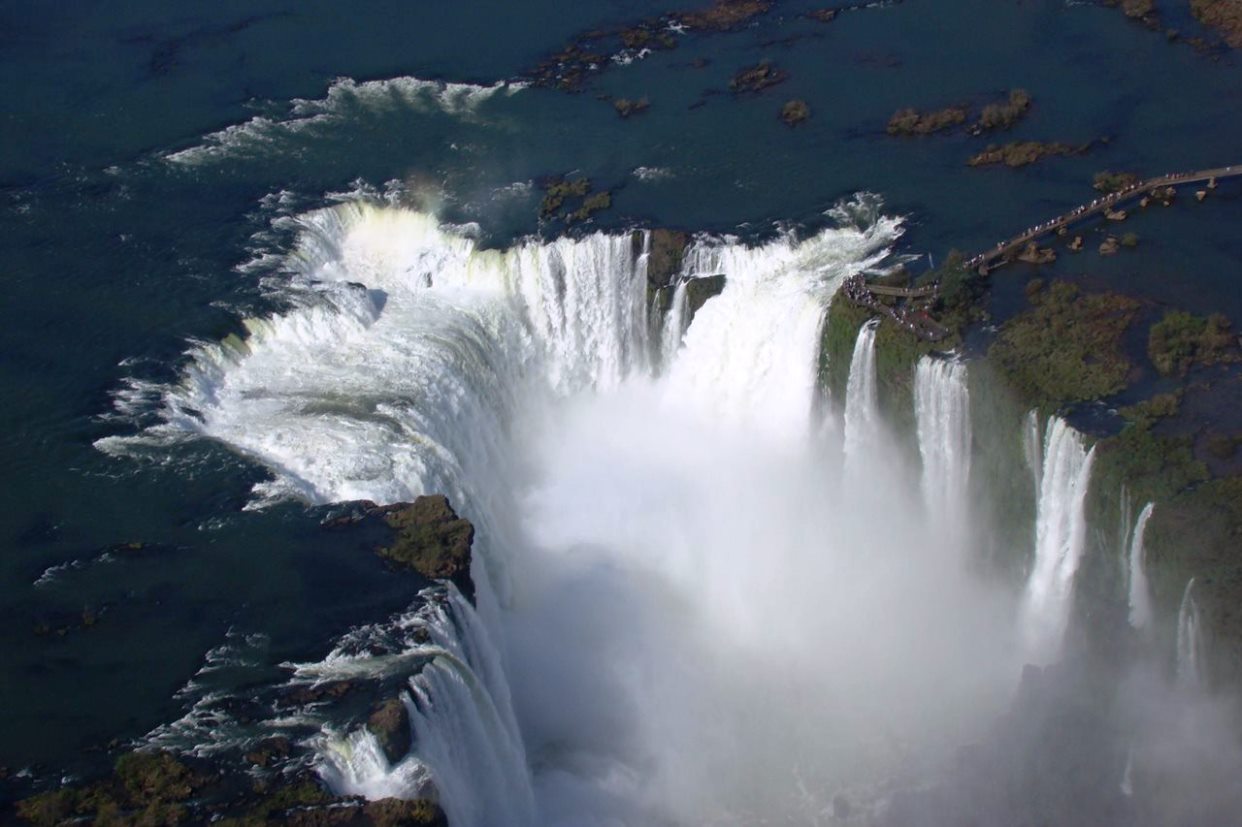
(1223, 15)
(159, 788)
(427, 536)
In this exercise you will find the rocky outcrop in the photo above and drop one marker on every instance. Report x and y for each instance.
(626, 107)
(664, 258)
(426, 536)
(795, 112)
(723, 15)
(753, 79)
(1223, 15)
(432, 540)
(1022, 153)
(1005, 114)
(572, 200)
(1110, 182)
(698, 291)
(912, 122)
(390, 724)
(159, 788)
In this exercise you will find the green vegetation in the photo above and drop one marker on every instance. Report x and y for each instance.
(1182, 340)
(1004, 115)
(1067, 348)
(431, 539)
(1022, 153)
(913, 122)
(1108, 181)
(557, 191)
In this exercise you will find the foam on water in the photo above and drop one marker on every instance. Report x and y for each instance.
(344, 100)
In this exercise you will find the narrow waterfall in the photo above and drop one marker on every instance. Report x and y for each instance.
(1032, 446)
(1140, 592)
(1060, 536)
(942, 410)
(1190, 661)
(674, 324)
(862, 407)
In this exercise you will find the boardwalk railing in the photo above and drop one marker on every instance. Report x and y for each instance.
(1102, 204)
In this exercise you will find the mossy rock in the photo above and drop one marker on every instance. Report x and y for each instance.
(432, 540)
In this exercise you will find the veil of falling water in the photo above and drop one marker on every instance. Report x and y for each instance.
(691, 608)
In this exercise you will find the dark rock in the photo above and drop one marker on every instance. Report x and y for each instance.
(269, 751)
(332, 691)
(1222, 15)
(757, 78)
(795, 112)
(390, 724)
(912, 122)
(557, 190)
(823, 15)
(723, 15)
(1005, 114)
(668, 249)
(698, 291)
(1022, 153)
(626, 107)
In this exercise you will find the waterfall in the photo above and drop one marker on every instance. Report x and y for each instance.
(1060, 536)
(614, 511)
(467, 747)
(1032, 446)
(674, 324)
(942, 410)
(1140, 593)
(1190, 661)
(862, 407)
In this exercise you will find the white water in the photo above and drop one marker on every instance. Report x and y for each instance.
(862, 406)
(683, 572)
(1032, 447)
(1140, 592)
(942, 411)
(675, 323)
(1190, 667)
(1060, 537)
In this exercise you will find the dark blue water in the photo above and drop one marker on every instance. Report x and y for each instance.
(116, 256)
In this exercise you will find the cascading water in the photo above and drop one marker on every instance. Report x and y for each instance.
(1140, 592)
(643, 533)
(862, 407)
(674, 327)
(942, 410)
(1032, 446)
(1190, 671)
(1060, 537)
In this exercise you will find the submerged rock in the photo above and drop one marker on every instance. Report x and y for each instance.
(757, 78)
(795, 112)
(1022, 153)
(912, 122)
(626, 107)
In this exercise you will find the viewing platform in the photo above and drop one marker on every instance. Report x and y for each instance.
(1004, 251)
